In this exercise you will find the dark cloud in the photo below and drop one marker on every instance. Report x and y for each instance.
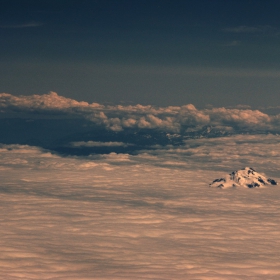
(98, 144)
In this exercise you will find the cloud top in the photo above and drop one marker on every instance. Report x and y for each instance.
(175, 119)
(121, 216)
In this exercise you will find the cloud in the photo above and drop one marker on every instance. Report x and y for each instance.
(217, 154)
(50, 101)
(240, 118)
(120, 216)
(221, 153)
(175, 119)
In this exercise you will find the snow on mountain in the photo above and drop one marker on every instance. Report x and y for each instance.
(246, 177)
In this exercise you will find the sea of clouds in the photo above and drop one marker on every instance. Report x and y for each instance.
(148, 215)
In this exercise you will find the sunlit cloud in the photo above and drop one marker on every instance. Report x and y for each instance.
(119, 117)
(69, 217)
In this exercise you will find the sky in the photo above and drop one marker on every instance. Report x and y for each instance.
(219, 53)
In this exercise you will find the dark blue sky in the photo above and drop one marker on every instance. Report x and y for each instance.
(151, 52)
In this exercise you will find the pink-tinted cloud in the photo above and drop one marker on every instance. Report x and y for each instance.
(118, 117)
(151, 215)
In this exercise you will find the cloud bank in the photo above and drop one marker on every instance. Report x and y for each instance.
(147, 216)
(175, 119)
(225, 154)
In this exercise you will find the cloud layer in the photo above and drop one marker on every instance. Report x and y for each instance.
(147, 216)
(175, 119)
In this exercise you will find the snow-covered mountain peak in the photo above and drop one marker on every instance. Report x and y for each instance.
(246, 177)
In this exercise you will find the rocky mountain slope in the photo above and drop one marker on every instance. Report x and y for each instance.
(246, 177)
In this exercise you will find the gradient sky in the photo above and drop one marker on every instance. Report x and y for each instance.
(219, 52)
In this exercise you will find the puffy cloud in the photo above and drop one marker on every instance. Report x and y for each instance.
(221, 153)
(171, 119)
(45, 101)
(243, 119)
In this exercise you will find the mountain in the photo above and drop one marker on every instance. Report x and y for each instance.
(246, 177)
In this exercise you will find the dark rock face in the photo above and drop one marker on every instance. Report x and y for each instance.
(254, 185)
(219, 180)
(272, 182)
(246, 177)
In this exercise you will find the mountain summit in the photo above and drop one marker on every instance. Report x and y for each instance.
(246, 177)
